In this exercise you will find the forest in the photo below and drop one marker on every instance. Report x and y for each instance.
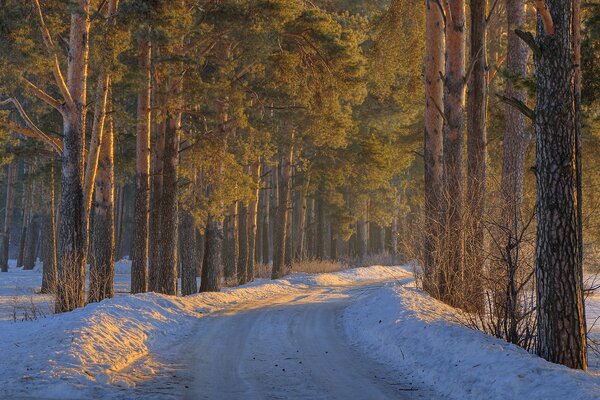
(183, 168)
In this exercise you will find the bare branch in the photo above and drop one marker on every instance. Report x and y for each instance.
(58, 76)
(42, 95)
(519, 105)
(34, 131)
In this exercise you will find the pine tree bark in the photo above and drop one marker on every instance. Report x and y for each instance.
(252, 223)
(516, 138)
(211, 268)
(8, 214)
(454, 93)
(560, 304)
(71, 271)
(26, 217)
(266, 207)
(188, 252)
(231, 249)
(155, 214)
(102, 263)
(49, 238)
(242, 236)
(433, 143)
(300, 227)
(33, 234)
(139, 266)
(166, 272)
(477, 158)
(281, 220)
(320, 224)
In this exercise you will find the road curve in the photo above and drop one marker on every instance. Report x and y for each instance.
(291, 347)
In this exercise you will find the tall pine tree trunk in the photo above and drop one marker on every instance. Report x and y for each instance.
(156, 201)
(102, 263)
(253, 223)
(560, 308)
(139, 266)
(454, 94)
(71, 271)
(188, 252)
(280, 228)
(31, 244)
(49, 238)
(477, 157)
(211, 268)
(8, 214)
(242, 239)
(166, 272)
(433, 143)
(231, 249)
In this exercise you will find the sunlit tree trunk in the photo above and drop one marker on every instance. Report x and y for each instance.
(166, 276)
(433, 143)
(477, 157)
(71, 271)
(156, 200)
(102, 262)
(139, 266)
(454, 95)
(253, 223)
(242, 239)
(560, 303)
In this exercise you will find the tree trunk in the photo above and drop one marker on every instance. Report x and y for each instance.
(211, 268)
(477, 156)
(300, 227)
(8, 214)
(71, 272)
(26, 205)
(119, 220)
(280, 227)
(139, 266)
(516, 138)
(266, 207)
(320, 224)
(188, 252)
(166, 273)
(242, 261)
(102, 264)
(560, 308)
(333, 245)
(231, 250)
(155, 214)
(433, 143)
(33, 233)
(49, 239)
(394, 240)
(252, 223)
(454, 93)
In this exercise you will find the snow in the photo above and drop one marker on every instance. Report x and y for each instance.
(84, 354)
(404, 327)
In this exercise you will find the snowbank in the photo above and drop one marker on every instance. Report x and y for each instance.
(404, 327)
(72, 354)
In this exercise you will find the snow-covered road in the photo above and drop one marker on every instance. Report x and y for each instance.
(291, 346)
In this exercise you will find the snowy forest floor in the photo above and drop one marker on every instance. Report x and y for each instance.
(360, 333)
